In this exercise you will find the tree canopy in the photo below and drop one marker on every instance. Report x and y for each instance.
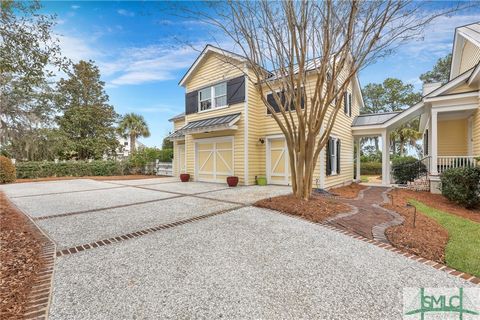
(133, 126)
(440, 71)
(88, 120)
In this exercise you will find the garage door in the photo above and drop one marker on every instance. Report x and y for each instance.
(277, 161)
(214, 159)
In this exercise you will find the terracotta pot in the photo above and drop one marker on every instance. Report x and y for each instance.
(232, 181)
(184, 177)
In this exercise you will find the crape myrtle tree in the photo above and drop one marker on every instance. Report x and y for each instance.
(321, 42)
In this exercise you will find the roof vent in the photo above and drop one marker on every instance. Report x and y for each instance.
(430, 87)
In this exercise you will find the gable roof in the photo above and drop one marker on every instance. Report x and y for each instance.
(177, 117)
(208, 48)
(470, 32)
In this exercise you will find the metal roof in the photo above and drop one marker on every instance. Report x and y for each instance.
(211, 122)
(373, 118)
(178, 116)
(176, 135)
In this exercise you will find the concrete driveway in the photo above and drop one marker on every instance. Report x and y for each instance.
(199, 250)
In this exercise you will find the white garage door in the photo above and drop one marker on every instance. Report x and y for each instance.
(214, 159)
(277, 161)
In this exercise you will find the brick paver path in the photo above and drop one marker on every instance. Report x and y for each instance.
(368, 215)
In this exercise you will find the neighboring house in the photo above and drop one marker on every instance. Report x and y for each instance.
(449, 114)
(226, 129)
(125, 149)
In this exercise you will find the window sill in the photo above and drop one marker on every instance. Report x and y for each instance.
(213, 109)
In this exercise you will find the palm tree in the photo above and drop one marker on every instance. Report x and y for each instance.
(406, 134)
(133, 125)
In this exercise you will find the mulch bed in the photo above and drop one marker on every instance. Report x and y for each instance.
(427, 239)
(20, 249)
(437, 201)
(99, 178)
(350, 192)
(317, 209)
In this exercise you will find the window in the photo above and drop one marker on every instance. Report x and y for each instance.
(125, 143)
(212, 97)
(333, 155)
(347, 103)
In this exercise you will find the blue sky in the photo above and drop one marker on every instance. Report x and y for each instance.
(143, 50)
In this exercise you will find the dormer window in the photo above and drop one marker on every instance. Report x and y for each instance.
(212, 97)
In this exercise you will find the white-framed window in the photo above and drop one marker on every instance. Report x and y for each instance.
(347, 103)
(212, 97)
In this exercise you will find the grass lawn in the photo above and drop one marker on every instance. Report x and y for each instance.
(364, 178)
(463, 247)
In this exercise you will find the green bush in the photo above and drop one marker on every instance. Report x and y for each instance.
(146, 157)
(43, 169)
(371, 168)
(462, 186)
(7, 170)
(406, 169)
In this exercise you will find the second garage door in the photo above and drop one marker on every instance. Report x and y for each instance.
(214, 159)
(277, 161)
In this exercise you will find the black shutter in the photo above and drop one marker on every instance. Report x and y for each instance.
(236, 90)
(349, 104)
(191, 102)
(329, 157)
(345, 102)
(338, 156)
(425, 143)
(273, 103)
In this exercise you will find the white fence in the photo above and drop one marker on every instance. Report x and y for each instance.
(163, 169)
(448, 162)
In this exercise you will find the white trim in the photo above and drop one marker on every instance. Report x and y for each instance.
(385, 158)
(451, 84)
(434, 141)
(214, 141)
(246, 134)
(452, 96)
(449, 108)
(208, 48)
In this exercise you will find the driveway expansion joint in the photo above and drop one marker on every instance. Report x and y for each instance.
(139, 233)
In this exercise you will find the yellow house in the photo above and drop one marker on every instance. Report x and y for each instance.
(449, 114)
(226, 129)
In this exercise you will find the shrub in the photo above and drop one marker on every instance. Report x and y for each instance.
(462, 186)
(371, 168)
(7, 170)
(43, 169)
(147, 156)
(406, 169)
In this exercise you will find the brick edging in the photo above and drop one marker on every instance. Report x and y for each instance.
(39, 297)
(139, 233)
(439, 266)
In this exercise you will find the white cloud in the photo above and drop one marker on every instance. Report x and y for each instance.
(147, 64)
(126, 13)
(77, 49)
(438, 37)
(75, 7)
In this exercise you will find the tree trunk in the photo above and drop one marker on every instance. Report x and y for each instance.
(402, 144)
(132, 143)
(302, 166)
(376, 143)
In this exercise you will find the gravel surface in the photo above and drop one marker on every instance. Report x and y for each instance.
(248, 194)
(88, 200)
(189, 187)
(247, 264)
(84, 228)
(144, 181)
(39, 188)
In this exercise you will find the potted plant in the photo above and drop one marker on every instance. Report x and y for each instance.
(184, 177)
(232, 181)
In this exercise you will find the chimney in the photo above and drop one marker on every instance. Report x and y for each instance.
(430, 87)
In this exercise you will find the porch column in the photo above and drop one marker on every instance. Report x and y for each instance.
(385, 158)
(357, 175)
(433, 125)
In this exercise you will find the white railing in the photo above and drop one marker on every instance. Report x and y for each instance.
(448, 162)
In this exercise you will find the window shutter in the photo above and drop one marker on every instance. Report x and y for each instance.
(349, 104)
(273, 103)
(191, 102)
(338, 156)
(329, 157)
(425, 143)
(236, 90)
(345, 102)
